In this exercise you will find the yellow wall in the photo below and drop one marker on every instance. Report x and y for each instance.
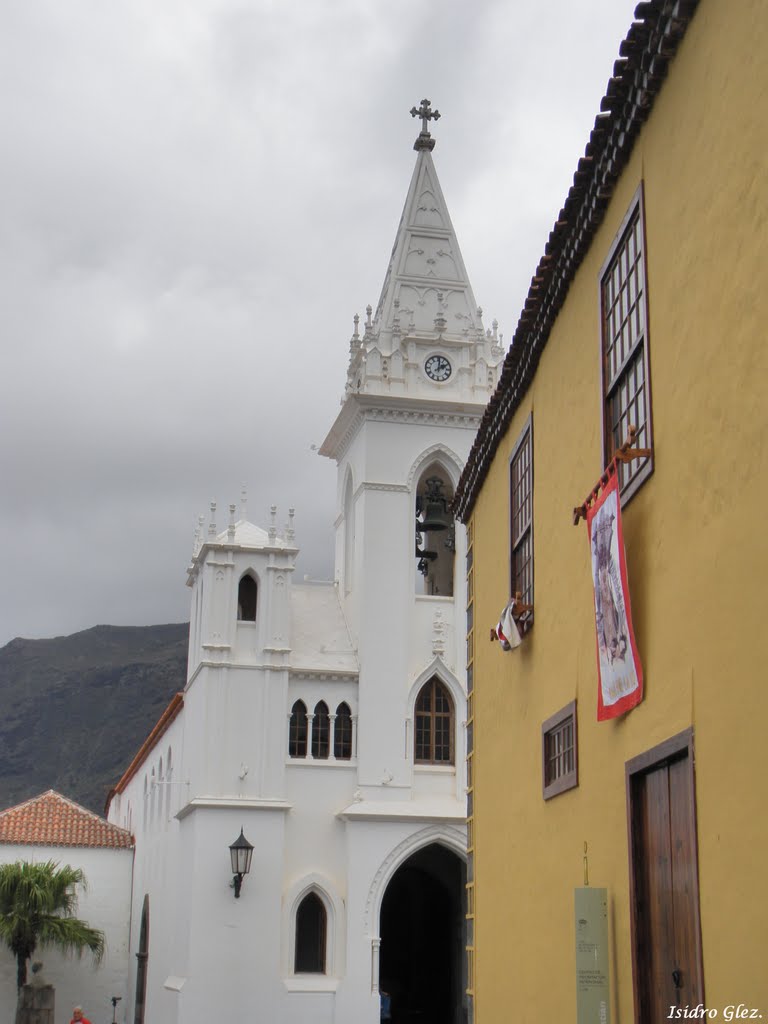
(696, 545)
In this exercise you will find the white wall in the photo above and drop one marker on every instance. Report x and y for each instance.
(106, 905)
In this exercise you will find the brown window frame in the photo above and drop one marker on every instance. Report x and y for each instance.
(433, 715)
(570, 779)
(632, 475)
(521, 534)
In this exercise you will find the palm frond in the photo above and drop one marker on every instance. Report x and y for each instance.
(37, 907)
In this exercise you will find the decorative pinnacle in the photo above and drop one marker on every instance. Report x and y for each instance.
(425, 112)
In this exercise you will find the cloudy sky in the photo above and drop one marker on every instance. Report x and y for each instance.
(196, 197)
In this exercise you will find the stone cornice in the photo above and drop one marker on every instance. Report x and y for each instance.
(208, 803)
(324, 675)
(379, 408)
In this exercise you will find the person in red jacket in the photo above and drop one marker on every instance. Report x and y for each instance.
(77, 1016)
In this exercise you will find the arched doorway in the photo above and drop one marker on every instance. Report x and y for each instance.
(142, 956)
(422, 928)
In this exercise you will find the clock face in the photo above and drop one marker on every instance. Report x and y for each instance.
(438, 368)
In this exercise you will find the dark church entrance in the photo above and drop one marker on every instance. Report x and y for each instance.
(422, 929)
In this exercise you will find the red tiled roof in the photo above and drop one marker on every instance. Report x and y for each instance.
(163, 723)
(52, 820)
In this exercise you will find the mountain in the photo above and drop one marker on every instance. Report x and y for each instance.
(75, 709)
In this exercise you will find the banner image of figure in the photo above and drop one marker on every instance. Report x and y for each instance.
(618, 664)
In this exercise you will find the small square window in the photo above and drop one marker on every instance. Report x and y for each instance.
(559, 752)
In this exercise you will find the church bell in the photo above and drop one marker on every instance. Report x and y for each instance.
(434, 506)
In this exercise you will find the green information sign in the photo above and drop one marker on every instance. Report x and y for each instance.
(592, 986)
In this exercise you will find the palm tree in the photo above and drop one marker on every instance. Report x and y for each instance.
(37, 906)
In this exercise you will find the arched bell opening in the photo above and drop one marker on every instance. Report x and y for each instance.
(422, 927)
(247, 597)
(435, 533)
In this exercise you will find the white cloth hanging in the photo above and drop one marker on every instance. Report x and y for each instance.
(507, 631)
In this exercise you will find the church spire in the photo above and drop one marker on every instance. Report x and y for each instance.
(426, 340)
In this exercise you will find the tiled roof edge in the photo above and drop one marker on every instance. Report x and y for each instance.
(638, 74)
(8, 812)
(175, 706)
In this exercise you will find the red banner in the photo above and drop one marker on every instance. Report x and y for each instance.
(618, 664)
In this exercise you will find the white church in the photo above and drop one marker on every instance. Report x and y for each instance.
(323, 724)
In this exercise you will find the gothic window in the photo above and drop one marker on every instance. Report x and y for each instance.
(321, 731)
(297, 738)
(433, 739)
(342, 733)
(435, 532)
(311, 927)
(246, 599)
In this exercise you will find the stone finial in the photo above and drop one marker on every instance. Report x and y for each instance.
(290, 533)
(231, 526)
(212, 522)
(495, 326)
(368, 318)
(354, 341)
(243, 502)
(272, 523)
(424, 140)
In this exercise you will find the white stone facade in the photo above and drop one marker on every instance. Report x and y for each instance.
(105, 904)
(367, 642)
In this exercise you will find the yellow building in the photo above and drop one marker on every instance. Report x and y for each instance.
(648, 308)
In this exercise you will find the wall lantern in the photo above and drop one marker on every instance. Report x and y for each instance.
(241, 852)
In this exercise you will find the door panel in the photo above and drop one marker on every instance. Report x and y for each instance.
(666, 930)
(685, 890)
(656, 935)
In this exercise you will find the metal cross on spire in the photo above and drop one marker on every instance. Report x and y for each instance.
(425, 112)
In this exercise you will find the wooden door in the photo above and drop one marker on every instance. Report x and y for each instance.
(664, 890)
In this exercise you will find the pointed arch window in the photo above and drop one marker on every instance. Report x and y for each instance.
(342, 733)
(247, 593)
(311, 929)
(321, 731)
(435, 724)
(297, 733)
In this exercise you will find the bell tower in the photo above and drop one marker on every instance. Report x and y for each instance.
(421, 369)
